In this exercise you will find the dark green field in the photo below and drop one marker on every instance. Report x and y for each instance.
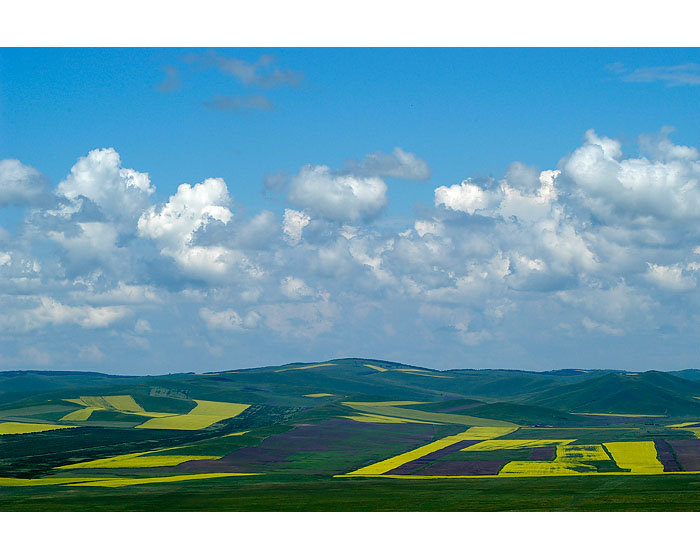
(409, 435)
(642, 493)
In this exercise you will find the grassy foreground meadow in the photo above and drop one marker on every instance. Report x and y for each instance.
(349, 435)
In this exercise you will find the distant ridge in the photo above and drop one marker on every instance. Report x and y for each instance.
(651, 392)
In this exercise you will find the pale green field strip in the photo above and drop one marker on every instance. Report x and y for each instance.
(33, 410)
(42, 481)
(119, 482)
(112, 482)
(138, 460)
(499, 444)
(319, 395)
(637, 456)
(303, 367)
(619, 415)
(389, 464)
(377, 419)
(201, 416)
(10, 428)
(428, 416)
(125, 404)
(423, 374)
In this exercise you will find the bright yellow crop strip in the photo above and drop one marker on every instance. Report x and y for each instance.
(684, 424)
(42, 481)
(496, 444)
(124, 403)
(236, 434)
(485, 432)
(96, 402)
(379, 419)
(541, 468)
(201, 416)
(694, 431)
(318, 395)
(303, 367)
(119, 482)
(389, 464)
(581, 453)
(637, 456)
(138, 460)
(80, 415)
(374, 367)
(9, 428)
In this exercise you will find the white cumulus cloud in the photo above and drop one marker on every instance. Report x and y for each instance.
(190, 210)
(19, 183)
(120, 193)
(337, 196)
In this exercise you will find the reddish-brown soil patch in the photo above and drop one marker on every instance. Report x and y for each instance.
(688, 453)
(422, 462)
(356, 439)
(666, 457)
(462, 468)
(542, 454)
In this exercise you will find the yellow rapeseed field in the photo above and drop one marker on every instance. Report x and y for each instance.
(119, 403)
(124, 403)
(302, 367)
(8, 428)
(201, 416)
(80, 415)
(375, 367)
(581, 453)
(389, 464)
(487, 432)
(42, 481)
(541, 468)
(637, 456)
(318, 395)
(119, 482)
(684, 424)
(236, 434)
(378, 418)
(138, 460)
(497, 444)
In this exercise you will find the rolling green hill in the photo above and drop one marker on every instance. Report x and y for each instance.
(651, 392)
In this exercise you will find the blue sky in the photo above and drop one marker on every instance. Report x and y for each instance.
(383, 203)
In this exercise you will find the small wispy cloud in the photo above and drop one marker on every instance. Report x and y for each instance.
(172, 80)
(679, 75)
(239, 104)
(263, 73)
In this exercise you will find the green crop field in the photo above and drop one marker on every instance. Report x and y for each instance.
(350, 435)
